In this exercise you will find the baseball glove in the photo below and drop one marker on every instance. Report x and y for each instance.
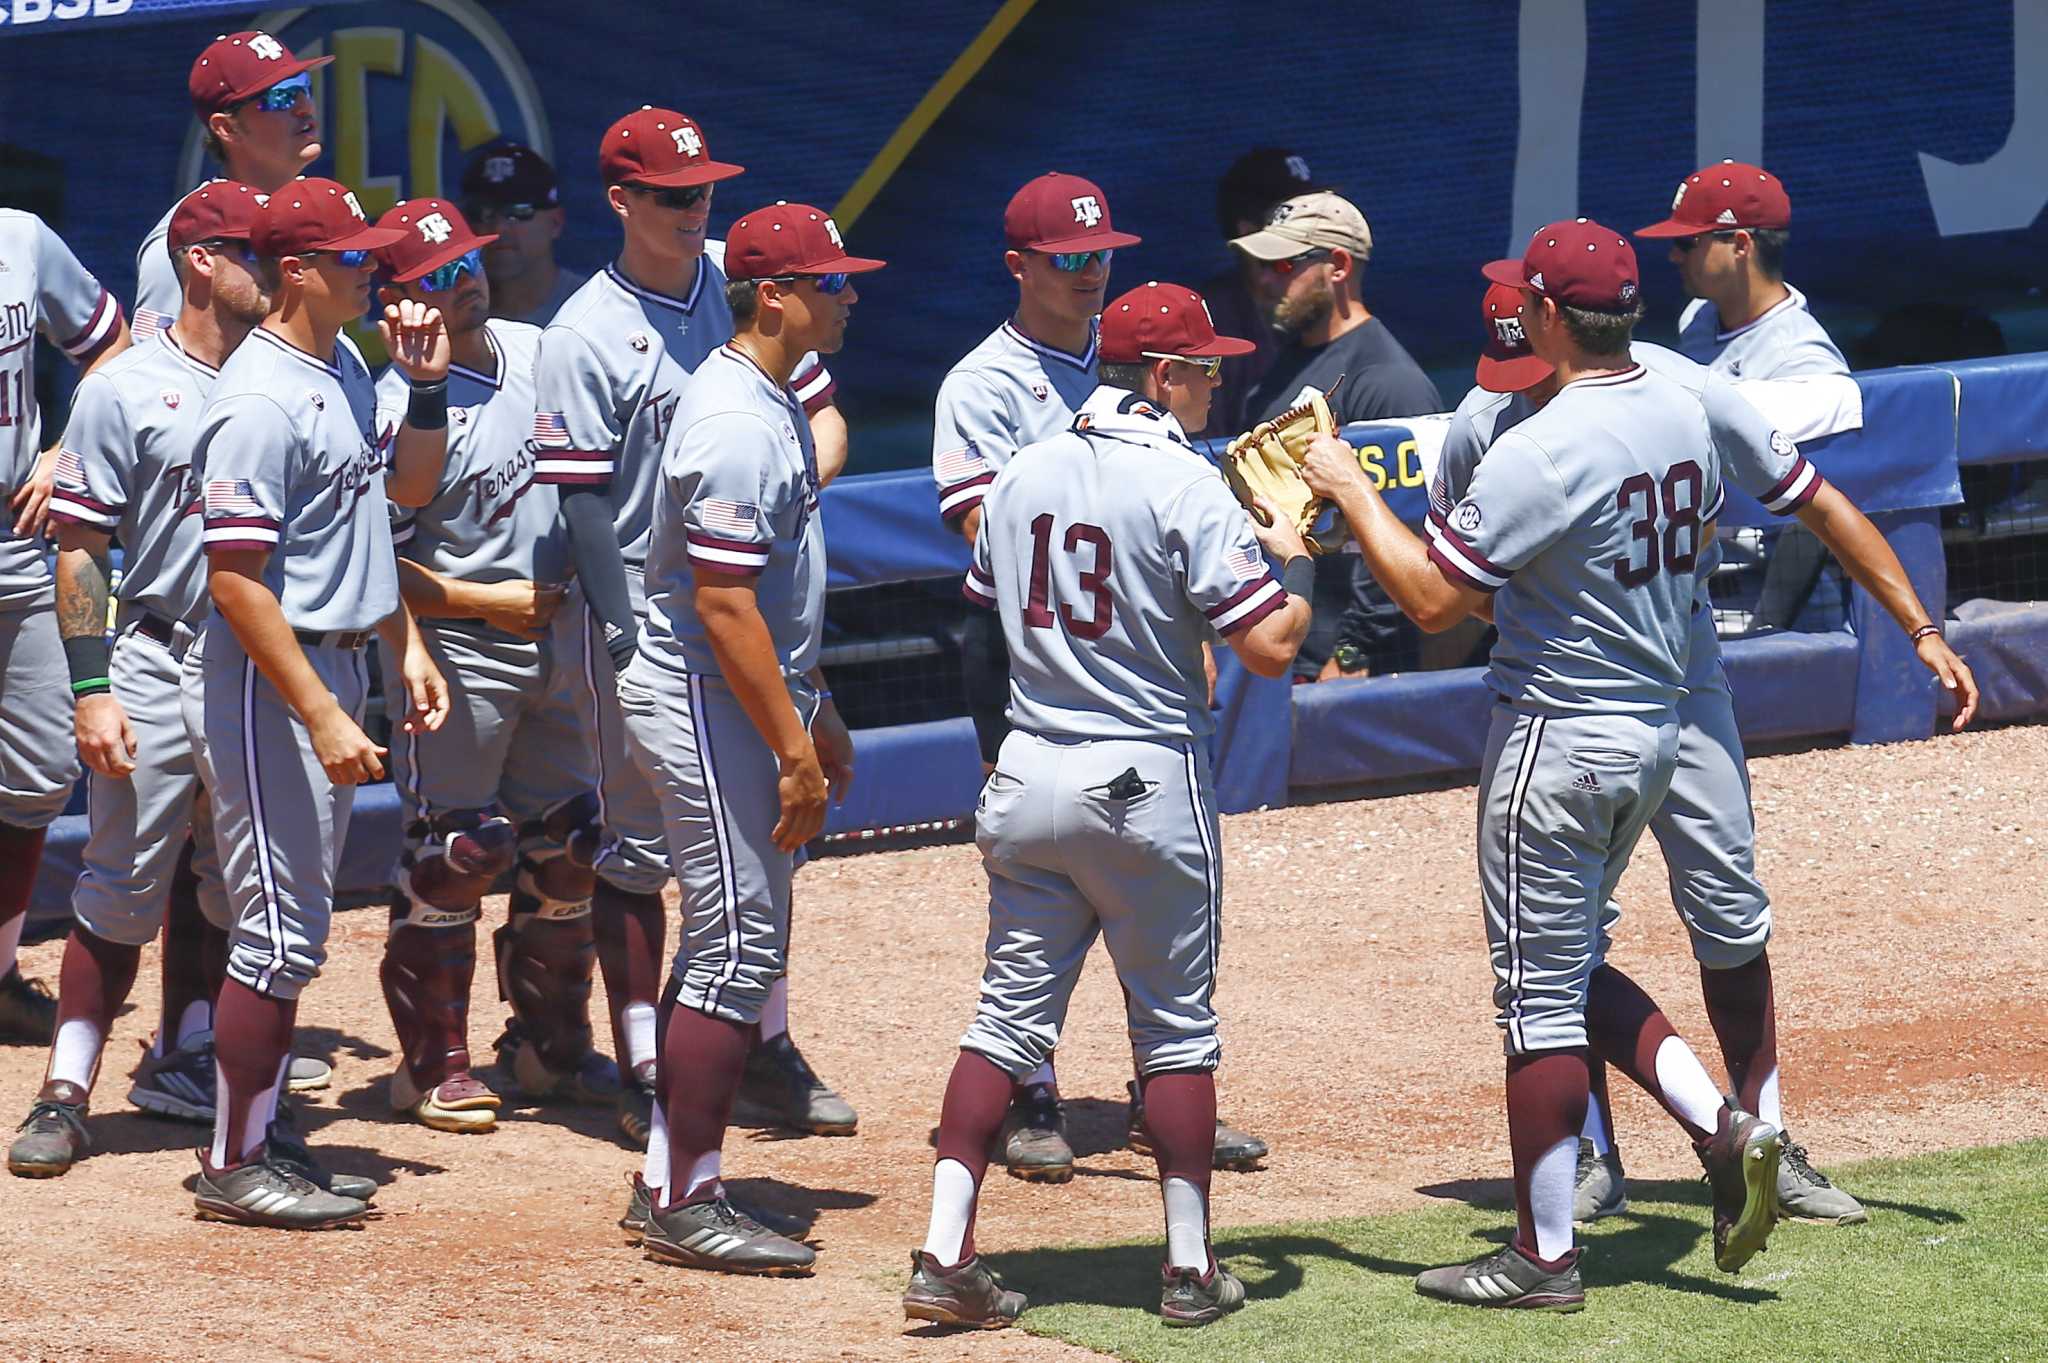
(1266, 462)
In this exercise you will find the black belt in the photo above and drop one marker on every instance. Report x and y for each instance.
(154, 626)
(347, 640)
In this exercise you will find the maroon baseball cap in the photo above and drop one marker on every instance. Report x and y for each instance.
(1163, 319)
(1576, 262)
(1058, 212)
(432, 232)
(659, 147)
(239, 66)
(1506, 364)
(220, 210)
(311, 214)
(786, 238)
(1721, 198)
(504, 172)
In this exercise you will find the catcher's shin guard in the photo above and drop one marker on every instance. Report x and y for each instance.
(426, 973)
(545, 964)
(453, 860)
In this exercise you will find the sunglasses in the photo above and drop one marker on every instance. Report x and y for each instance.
(1290, 264)
(225, 246)
(348, 260)
(483, 214)
(687, 196)
(442, 278)
(284, 94)
(1210, 365)
(1073, 262)
(1685, 244)
(827, 283)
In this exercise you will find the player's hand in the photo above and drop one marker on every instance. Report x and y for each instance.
(1277, 537)
(802, 791)
(426, 692)
(521, 607)
(835, 750)
(417, 340)
(31, 501)
(1954, 673)
(106, 741)
(1332, 467)
(344, 751)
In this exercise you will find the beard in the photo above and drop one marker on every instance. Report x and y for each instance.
(1295, 314)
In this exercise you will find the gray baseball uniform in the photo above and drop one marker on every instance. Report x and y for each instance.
(43, 289)
(1784, 343)
(1704, 825)
(612, 366)
(1112, 552)
(517, 729)
(1585, 522)
(126, 470)
(288, 463)
(738, 494)
(1006, 393)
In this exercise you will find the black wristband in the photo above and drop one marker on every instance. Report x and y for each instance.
(427, 408)
(87, 659)
(1924, 631)
(1298, 576)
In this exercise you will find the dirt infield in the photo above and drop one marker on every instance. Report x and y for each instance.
(1911, 885)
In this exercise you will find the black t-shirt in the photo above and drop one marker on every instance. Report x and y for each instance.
(1382, 382)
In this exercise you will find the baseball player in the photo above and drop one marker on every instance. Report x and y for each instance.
(483, 567)
(1113, 553)
(1021, 385)
(1705, 825)
(297, 537)
(254, 101)
(125, 469)
(43, 289)
(1583, 527)
(728, 718)
(613, 363)
(509, 189)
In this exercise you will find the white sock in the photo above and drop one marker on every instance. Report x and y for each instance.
(10, 940)
(195, 1023)
(1042, 1075)
(639, 1018)
(76, 1052)
(1769, 1105)
(654, 1171)
(1686, 1085)
(952, 1209)
(260, 1110)
(1595, 1129)
(1187, 1225)
(775, 1012)
(1550, 1198)
(703, 1174)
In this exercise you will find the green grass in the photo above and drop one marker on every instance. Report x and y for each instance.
(1952, 1266)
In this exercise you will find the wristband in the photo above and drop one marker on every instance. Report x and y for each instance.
(87, 659)
(1299, 577)
(427, 408)
(1924, 631)
(824, 696)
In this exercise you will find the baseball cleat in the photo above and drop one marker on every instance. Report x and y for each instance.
(285, 1149)
(178, 1084)
(969, 1295)
(639, 1202)
(1741, 1159)
(1238, 1150)
(594, 1082)
(636, 1106)
(307, 1074)
(460, 1103)
(1508, 1279)
(1190, 1298)
(1600, 1189)
(265, 1193)
(1806, 1194)
(1032, 1141)
(716, 1235)
(780, 1081)
(53, 1135)
(27, 1011)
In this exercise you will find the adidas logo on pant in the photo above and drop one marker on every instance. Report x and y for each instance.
(1586, 781)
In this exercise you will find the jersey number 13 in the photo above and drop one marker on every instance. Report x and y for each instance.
(1038, 610)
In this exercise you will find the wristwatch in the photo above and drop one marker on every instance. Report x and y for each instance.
(1349, 657)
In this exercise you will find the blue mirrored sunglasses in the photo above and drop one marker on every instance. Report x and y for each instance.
(285, 93)
(827, 283)
(445, 277)
(1073, 262)
(348, 260)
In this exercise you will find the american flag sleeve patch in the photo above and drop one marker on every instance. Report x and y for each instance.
(727, 537)
(235, 519)
(554, 462)
(72, 500)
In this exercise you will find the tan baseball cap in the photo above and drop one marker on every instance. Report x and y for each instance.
(1307, 222)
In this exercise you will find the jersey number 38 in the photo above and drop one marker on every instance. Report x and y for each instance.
(1038, 610)
(1675, 547)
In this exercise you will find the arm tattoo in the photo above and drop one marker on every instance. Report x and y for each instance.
(82, 594)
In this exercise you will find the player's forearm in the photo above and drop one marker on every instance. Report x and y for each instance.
(1399, 561)
(253, 613)
(1865, 553)
(435, 596)
(83, 575)
(416, 459)
(970, 524)
(829, 438)
(399, 631)
(746, 658)
(600, 567)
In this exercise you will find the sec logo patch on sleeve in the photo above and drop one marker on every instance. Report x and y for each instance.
(1466, 518)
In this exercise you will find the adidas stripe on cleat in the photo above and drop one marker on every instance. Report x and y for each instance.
(262, 1193)
(716, 1236)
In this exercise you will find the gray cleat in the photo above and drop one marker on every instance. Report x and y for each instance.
(1600, 1189)
(1507, 1279)
(639, 1204)
(287, 1149)
(52, 1136)
(778, 1080)
(636, 1105)
(1032, 1141)
(1741, 1160)
(307, 1073)
(266, 1193)
(716, 1235)
(27, 1010)
(1806, 1194)
(179, 1084)
(969, 1295)
(1188, 1298)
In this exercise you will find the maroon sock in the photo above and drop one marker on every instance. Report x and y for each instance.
(1744, 1013)
(1546, 1104)
(185, 951)
(699, 1072)
(1596, 1075)
(252, 1036)
(1625, 1027)
(94, 980)
(977, 1096)
(1180, 1112)
(630, 930)
(21, 852)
